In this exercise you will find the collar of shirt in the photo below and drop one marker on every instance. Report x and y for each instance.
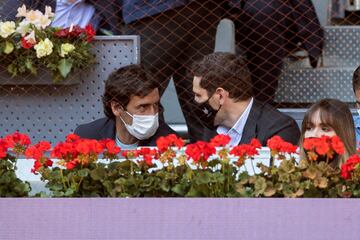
(237, 130)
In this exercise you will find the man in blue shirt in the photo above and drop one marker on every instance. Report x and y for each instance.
(356, 88)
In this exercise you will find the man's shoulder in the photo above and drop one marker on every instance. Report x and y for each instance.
(270, 114)
(97, 129)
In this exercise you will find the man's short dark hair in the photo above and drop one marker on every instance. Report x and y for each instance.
(227, 71)
(124, 83)
(356, 79)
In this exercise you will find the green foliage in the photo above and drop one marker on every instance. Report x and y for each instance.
(10, 185)
(307, 179)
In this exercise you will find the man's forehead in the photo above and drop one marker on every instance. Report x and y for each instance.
(152, 97)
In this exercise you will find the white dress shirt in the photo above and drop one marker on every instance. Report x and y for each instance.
(237, 130)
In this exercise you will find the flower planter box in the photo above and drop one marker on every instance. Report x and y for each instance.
(43, 77)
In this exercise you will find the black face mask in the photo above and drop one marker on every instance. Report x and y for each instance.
(207, 114)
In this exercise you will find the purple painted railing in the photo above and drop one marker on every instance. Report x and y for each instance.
(179, 218)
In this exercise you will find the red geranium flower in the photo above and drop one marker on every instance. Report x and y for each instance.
(324, 146)
(200, 151)
(220, 140)
(350, 165)
(70, 165)
(12, 140)
(163, 143)
(244, 151)
(3, 148)
(148, 155)
(72, 137)
(278, 145)
(111, 148)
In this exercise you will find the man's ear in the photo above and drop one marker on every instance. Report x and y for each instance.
(116, 108)
(222, 94)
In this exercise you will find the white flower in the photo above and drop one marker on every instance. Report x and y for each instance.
(31, 38)
(48, 12)
(21, 11)
(66, 48)
(33, 16)
(43, 22)
(23, 28)
(7, 28)
(44, 48)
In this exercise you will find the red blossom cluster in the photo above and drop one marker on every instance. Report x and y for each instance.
(200, 151)
(3, 149)
(348, 168)
(244, 151)
(324, 146)
(147, 154)
(76, 150)
(37, 152)
(76, 31)
(163, 143)
(220, 140)
(17, 142)
(277, 146)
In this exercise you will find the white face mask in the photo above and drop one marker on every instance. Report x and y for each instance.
(143, 126)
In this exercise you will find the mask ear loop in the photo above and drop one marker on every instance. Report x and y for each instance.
(122, 107)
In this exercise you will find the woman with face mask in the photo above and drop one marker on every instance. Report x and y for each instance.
(329, 117)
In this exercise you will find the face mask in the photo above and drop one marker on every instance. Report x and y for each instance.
(143, 126)
(207, 114)
(358, 111)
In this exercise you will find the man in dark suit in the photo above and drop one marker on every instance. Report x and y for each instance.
(106, 18)
(223, 92)
(173, 34)
(268, 30)
(131, 105)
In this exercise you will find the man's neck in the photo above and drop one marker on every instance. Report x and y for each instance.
(124, 136)
(234, 112)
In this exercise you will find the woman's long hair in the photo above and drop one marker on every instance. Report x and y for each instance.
(336, 115)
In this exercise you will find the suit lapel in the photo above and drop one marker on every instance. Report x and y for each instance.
(250, 129)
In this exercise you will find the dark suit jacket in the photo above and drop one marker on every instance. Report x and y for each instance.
(109, 11)
(138, 9)
(105, 128)
(264, 122)
(283, 24)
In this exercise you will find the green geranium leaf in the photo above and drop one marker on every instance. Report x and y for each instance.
(83, 172)
(98, 173)
(178, 189)
(64, 67)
